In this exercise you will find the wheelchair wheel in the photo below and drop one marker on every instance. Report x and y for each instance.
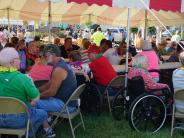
(119, 106)
(147, 113)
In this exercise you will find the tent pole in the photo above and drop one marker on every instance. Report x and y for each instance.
(147, 7)
(145, 24)
(34, 28)
(8, 17)
(127, 51)
(181, 31)
(49, 18)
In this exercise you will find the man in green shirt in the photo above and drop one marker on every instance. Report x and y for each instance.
(16, 85)
(97, 36)
(176, 37)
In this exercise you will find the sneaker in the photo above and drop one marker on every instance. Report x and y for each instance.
(50, 134)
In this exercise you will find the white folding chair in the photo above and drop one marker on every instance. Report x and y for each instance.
(117, 83)
(178, 110)
(9, 105)
(65, 111)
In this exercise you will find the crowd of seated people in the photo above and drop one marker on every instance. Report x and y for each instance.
(46, 62)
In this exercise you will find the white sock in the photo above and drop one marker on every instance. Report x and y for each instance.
(46, 129)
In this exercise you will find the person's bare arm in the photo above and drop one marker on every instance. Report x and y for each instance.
(58, 76)
(45, 86)
(80, 72)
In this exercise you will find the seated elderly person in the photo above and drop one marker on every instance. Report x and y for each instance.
(153, 60)
(102, 70)
(178, 75)
(62, 84)
(32, 53)
(17, 85)
(140, 68)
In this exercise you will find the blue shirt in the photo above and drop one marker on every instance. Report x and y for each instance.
(68, 86)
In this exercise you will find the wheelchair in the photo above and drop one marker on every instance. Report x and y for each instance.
(144, 110)
(95, 97)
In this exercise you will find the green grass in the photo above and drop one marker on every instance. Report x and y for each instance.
(104, 126)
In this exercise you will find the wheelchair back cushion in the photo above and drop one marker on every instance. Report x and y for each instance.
(135, 87)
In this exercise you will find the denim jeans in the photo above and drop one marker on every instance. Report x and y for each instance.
(16, 121)
(52, 105)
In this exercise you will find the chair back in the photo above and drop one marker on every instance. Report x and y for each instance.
(136, 87)
(39, 83)
(117, 82)
(76, 94)
(10, 105)
(179, 99)
(179, 95)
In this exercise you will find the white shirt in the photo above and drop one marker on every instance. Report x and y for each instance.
(112, 55)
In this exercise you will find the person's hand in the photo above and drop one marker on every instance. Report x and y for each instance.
(86, 77)
(33, 103)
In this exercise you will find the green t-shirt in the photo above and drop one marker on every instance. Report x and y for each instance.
(17, 85)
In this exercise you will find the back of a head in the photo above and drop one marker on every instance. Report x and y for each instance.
(14, 40)
(146, 45)
(86, 43)
(7, 55)
(53, 49)
(75, 55)
(102, 42)
(37, 38)
(108, 43)
(138, 60)
(57, 41)
(10, 45)
(99, 29)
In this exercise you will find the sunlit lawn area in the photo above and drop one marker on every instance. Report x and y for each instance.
(104, 126)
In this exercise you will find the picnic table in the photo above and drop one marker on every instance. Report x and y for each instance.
(163, 66)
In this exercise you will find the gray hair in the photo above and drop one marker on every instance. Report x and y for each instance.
(181, 58)
(138, 60)
(7, 55)
(146, 45)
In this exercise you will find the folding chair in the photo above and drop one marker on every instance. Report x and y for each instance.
(9, 105)
(116, 83)
(65, 111)
(178, 110)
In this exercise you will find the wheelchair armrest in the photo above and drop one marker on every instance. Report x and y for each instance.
(154, 70)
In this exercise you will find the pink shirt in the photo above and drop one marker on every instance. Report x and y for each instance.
(153, 62)
(148, 81)
(41, 72)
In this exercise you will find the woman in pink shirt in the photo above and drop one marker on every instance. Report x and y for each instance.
(140, 68)
(40, 71)
(153, 60)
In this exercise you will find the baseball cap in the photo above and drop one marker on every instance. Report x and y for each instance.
(53, 49)
(93, 49)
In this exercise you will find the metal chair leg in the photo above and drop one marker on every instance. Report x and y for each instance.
(82, 121)
(71, 126)
(173, 121)
(109, 104)
(70, 121)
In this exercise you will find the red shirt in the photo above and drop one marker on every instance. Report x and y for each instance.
(102, 70)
